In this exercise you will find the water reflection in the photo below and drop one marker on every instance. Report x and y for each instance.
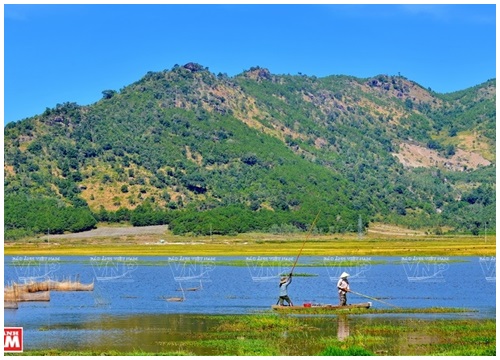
(342, 327)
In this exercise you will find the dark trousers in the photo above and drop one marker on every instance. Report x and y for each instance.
(343, 298)
(285, 298)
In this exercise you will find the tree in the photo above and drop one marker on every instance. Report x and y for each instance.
(409, 104)
(250, 159)
(434, 145)
(450, 150)
(108, 94)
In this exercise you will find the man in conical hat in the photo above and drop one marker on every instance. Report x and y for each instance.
(284, 282)
(343, 286)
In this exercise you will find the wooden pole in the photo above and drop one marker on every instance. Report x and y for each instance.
(307, 237)
(372, 298)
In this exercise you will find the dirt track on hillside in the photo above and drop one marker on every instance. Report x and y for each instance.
(114, 231)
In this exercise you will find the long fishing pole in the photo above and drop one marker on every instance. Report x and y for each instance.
(369, 297)
(307, 237)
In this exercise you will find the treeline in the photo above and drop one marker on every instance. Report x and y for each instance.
(36, 216)
(27, 216)
(236, 219)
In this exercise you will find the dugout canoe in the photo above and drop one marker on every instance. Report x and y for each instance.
(327, 307)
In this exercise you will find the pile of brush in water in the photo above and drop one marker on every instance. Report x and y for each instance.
(40, 291)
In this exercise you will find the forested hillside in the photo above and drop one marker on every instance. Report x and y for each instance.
(210, 153)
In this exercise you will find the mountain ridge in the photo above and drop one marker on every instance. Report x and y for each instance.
(186, 140)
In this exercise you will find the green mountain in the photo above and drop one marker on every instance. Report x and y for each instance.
(256, 152)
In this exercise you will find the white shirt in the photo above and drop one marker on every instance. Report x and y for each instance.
(343, 285)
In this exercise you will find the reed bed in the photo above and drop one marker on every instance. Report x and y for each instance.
(39, 291)
(14, 295)
(48, 285)
(10, 305)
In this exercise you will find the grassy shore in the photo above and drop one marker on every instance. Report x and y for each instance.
(259, 245)
(268, 335)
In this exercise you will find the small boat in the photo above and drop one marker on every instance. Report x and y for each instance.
(328, 307)
(175, 299)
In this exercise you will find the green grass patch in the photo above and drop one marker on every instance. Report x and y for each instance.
(56, 352)
(284, 335)
(393, 310)
(351, 351)
(349, 263)
(429, 260)
(260, 323)
(490, 350)
(240, 346)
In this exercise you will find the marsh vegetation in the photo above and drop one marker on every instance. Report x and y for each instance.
(267, 335)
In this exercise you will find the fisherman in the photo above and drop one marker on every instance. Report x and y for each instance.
(284, 282)
(343, 286)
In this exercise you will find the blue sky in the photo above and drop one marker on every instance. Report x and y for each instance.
(59, 53)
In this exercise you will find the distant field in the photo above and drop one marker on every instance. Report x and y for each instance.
(157, 240)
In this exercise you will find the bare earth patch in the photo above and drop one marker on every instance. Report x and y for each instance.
(412, 155)
(114, 232)
(384, 229)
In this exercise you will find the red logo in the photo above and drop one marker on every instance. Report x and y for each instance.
(13, 339)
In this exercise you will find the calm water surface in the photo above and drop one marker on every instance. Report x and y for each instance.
(129, 304)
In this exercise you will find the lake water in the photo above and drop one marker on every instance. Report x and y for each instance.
(131, 293)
